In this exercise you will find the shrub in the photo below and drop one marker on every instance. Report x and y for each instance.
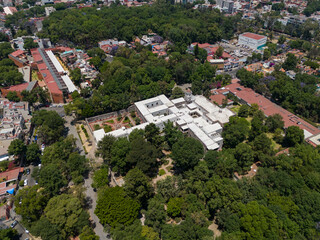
(162, 172)
(137, 120)
(133, 114)
(84, 131)
(107, 128)
(21, 183)
(96, 127)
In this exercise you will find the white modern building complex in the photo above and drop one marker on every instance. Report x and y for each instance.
(252, 40)
(194, 115)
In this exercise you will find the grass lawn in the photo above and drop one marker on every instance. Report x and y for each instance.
(274, 145)
(235, 109)
(34, 76)
(110, 121)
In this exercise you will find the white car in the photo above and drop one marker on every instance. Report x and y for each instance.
(25, 182)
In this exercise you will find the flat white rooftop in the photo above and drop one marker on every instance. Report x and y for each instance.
(200, 118)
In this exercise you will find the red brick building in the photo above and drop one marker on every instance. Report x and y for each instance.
(19, 88)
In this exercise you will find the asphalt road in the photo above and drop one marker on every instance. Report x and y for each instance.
(92, 199)
(73, 131)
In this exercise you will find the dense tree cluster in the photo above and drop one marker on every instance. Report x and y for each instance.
(139, 151)
(50, 126)
(176, 23)
(280, 201)
(133, 76)
(55, 208)
(9, 74)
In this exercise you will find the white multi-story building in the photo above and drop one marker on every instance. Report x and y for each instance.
(197, 116)
(252, 40)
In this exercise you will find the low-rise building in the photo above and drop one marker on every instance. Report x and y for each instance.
(194, 115)
(10, 10)
(14, 122)
(252, 40)
(28, 86)
(54, 75)
(249, 97)
(9, 181)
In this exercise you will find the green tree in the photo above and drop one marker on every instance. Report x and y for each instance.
(66, 212)
(151, 133)
(100, 178)
(244, 155)
(33, 153)
(262, 143)
(274, 121)
(51, 179)
(17, 148)
(244, 111)
(281, 39)
(258, 222)
(77, 165)
(175, 207)
(155, 214)
(88, 234)
(177, 92)
(46, 230)
(294, 135)
(5, 50)
(202, 56)
(113, 207)
(172, 134)
(13, 96)
(104, 148)
(9, 234)
(235, 132)
(119, 151)
(149, 233)
(30, 203)
(138, 186)
(76, 76)
(291, 62)
(29, 44)
(50, 125)
(143, 156)
(266, 54)
(219, 52)
(186, 153)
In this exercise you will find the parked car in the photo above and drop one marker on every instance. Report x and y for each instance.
(28, 171)
(15, 222)
(25, 182)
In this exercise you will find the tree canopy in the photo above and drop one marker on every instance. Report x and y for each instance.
(50, 125)
(114, 207)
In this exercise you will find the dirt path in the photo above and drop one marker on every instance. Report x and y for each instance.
(214, 228)
(164, 167)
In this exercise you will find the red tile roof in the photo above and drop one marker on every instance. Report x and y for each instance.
(47, 76)
(269, 108)
(17, 53)
(218, 98)
(253, 36)
(18, 88)
(12, 174)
